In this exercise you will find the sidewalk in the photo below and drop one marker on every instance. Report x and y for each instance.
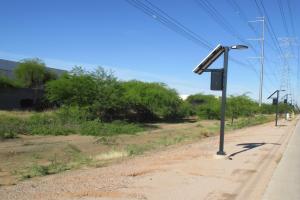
(285, 183)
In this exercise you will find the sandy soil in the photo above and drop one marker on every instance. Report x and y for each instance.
(20, 154)
(187, 172)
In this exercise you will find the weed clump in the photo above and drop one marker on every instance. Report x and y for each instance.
(43, 170)
(74, 159)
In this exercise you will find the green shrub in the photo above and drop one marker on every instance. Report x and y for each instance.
(152, 101)
(99, 91)
(205, 106)
(10, 127)
(48, 124)
(73, 114)
(43, 170)
(241, 106)
(108, 99)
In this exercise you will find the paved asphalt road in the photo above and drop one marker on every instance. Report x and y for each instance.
(285, 183)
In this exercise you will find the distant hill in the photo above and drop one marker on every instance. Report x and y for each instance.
(7, 68)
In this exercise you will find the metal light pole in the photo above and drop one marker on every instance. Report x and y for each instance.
(277, 102)
(218, 82)
(224, 96)
(223, 107)
(276, 122)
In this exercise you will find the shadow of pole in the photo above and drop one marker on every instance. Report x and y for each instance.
(247, 147)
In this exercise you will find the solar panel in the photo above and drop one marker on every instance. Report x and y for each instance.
(206, 62)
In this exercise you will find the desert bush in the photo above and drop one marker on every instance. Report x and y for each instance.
(99, 91)
(241, 106)
(10, 127)
(152, 101)
(73, 114)
(77, 89)
(267, 108)
(107, 99)
(205, 106)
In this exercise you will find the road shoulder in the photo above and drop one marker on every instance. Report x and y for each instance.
(285, 182)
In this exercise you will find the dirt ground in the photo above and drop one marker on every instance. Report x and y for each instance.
(190, 171)
(20, 155)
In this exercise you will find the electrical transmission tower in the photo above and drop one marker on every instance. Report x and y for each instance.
(286, 44)
(262, 55)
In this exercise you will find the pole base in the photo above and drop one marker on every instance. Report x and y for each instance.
(221, 153)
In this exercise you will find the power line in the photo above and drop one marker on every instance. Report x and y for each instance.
(235, 6)
(263, 13)
(291, 16)
(165, 19)
(220, 19)
(274, 36)
(241, 13)
(283, 17)
(269, 26)
(261, 8)
(284, 20)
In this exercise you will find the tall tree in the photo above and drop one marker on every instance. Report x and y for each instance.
(31, 72)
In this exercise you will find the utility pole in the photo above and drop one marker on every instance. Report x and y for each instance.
(297, 94)
(261, 57)
(262, 60)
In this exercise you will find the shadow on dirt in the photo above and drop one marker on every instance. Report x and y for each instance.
(281, 125)
(247, 147)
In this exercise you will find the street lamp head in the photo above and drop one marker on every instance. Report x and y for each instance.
(239, 46)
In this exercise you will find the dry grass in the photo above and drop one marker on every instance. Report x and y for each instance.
(29, 156)
(111, 155)
(16, 113)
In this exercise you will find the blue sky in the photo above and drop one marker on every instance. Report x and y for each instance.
(117, 36)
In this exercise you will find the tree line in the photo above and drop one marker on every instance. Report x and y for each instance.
(102, 96)
(208, 107)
